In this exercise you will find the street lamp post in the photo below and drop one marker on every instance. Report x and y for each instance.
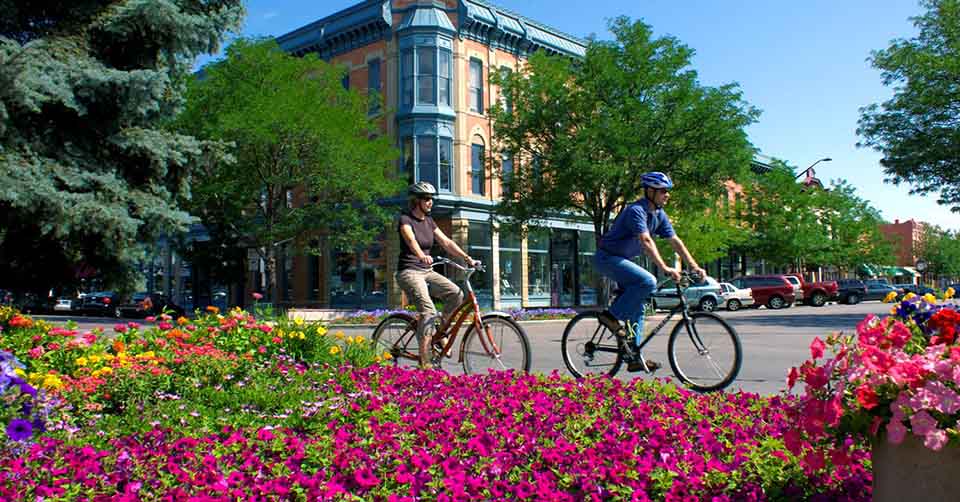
(825, 159)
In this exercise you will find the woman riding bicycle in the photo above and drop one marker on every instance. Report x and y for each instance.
(627, 238)
(415, 275)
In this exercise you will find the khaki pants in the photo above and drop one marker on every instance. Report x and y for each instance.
(420, 285)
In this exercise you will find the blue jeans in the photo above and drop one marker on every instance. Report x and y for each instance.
(637, 284)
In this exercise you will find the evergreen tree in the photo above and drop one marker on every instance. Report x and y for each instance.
(86, 169)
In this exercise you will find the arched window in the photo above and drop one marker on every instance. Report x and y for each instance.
(478, 180)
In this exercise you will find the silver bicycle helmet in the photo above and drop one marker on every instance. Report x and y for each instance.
(422, 188)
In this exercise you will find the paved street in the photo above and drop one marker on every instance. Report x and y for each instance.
(773, 340)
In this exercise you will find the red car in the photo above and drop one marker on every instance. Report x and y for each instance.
(774, 291)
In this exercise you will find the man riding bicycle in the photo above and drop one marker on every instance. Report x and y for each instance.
(627, 238)
(415, 275)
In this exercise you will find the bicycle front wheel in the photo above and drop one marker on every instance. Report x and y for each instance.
(397, 336)
(704, 352)
(589, 348)
(509, 350)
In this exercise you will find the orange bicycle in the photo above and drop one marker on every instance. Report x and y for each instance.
(492, 341)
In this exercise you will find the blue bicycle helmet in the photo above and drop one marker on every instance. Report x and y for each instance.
(656, 179)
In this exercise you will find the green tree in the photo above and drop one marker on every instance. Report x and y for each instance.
(86, 171)
(918, 129)
(941, 250)
(582, 132)
(310, 166)
(853, 227)
(783, 218)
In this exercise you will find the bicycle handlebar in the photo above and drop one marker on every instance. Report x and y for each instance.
(440, 260)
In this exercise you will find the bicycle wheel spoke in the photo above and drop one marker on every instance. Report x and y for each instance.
(396, 336)
(705, 353)
(514, 350)
(589, 348)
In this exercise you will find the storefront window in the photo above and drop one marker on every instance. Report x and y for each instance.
(480, 248)
(538, 271)
(357, 280)
(511, 272)
(589, 279)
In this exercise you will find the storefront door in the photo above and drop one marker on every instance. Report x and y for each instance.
(563, 259)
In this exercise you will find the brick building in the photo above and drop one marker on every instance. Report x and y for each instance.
(906, 237)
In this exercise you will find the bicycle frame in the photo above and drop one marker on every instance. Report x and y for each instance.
(460, 315)
(684, 310)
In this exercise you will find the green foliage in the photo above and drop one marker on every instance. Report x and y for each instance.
(85, 171)
(310, 164)
(918, 129)
(581, 133)
(792, 223)
(941, 250)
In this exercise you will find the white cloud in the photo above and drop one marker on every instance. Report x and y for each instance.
(270, 15)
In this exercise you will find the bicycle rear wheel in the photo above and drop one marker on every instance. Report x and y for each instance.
(705, 352)
(589, 348)
(511, 351)
(397, 335)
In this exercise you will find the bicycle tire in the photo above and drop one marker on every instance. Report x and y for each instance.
(397, 335)
(582, 338)
(509, 337)
(718, 365)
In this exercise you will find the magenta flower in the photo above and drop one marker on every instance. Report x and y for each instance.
(19, 429)
(257, 296)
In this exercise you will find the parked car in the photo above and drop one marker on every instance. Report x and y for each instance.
(774, 291)
(63, 305)
(705, 296)
(735, 298)
(101, 303)
(797, 286)
(145, 304)
(917, 289)
(815, 294)
(850, 291)
(878, 289)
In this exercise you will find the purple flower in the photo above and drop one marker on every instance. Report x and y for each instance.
(19, 429)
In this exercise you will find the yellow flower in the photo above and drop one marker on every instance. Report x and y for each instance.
(891, 296)
(300, 335)
(279, 332)
(893, 311)
(106, 370)
(321, 331)
(52, 382)
(182, 321)
(929, 298)
(909, 296)
(359, 339)
(19, 372)
(298, 321)
(948, 294)
(377, 359)
(339, 335)
(94, 359)
(387, 356)
(81, 361)
(334, 350)
(146, 355)
(349, 339)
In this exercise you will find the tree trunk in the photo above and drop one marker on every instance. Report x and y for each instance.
(271, 264)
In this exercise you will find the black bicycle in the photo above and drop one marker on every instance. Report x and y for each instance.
(704, 351)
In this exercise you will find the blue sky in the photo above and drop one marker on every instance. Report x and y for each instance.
(803, 63)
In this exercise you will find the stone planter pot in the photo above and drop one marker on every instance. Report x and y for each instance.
(911, 471)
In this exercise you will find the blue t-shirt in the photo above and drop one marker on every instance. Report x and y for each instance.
(636, 218)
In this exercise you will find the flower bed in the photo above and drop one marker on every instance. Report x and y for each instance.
(899, 375)
(228, 407)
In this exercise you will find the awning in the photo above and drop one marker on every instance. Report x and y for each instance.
(885, 271)
(911, 271)
(866, 270)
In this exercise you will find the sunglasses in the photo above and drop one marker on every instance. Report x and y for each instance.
(424, 198)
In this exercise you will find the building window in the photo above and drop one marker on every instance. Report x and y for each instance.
(479, 246)
(476, 169)
(505, 100)
(406, 162)
(511, 271)
(589, 279)
(443, 80)
(476, 86)
(506, 173)
(446, 163)
(428, 158)
(406, 77)
(538, 267)
(373, 85)
(426, 75)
